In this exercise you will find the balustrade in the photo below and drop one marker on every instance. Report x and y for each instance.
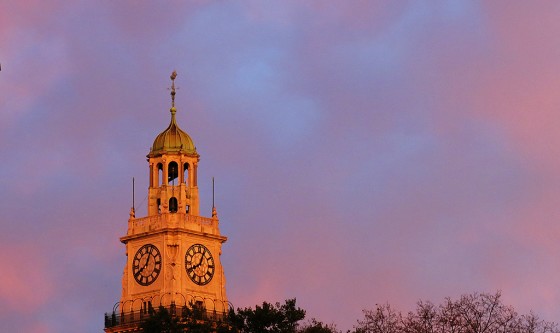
(172, 220)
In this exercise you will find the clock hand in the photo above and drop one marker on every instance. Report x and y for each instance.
(200, 261)
(201, 258)
(140, 270)
(145, 265)
(147, 261)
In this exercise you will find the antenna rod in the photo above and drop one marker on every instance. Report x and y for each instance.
(132, 192)
(213, 192)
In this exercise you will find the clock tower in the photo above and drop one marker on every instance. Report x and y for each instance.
(173, 253)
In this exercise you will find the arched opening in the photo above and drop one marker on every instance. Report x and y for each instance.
(187, 209)
(151, 175)
(160, 180)
(186, 173)
(172, 173)
(173, 205)
(159, 206)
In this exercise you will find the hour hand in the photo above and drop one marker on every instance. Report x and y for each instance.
(140, 270)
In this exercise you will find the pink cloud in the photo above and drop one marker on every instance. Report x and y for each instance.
(25, 283)
(515, 82)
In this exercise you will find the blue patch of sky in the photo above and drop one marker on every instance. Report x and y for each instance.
(256, 76)
(367, 56)
(249, 78)
(412, 154)
(455, 9)
(292, 120)
(421, 14)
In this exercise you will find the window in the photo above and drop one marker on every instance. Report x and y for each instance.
(172, 173)
(173, 205)
(186, 173)
(160, 175)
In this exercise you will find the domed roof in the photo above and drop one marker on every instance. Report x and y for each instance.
(173, 140)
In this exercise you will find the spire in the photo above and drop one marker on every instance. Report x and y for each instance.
(173, 76)
(173, 139)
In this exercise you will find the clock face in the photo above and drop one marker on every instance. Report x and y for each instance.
(199, 264)
(146, 265)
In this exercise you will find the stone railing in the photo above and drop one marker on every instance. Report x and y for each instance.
(172, 220)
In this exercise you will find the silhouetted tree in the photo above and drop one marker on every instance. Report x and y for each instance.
(315, 326)
(194, 319)
(161, 321)
(271, 318)
(383, 319)
(474, 313)
(424, 320)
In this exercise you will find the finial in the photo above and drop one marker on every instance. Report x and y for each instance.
(173, 76)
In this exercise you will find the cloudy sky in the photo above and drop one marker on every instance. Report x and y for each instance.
(364, 151)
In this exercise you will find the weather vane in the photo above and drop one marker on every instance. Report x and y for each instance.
(173, 76)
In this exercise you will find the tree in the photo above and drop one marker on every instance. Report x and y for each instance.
(315, 326)
(473, 313)
(192, 319)
(161, 321)
(381, 320)
(424, 320)
(271, 318)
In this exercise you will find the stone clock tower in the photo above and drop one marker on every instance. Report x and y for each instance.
(173, 253)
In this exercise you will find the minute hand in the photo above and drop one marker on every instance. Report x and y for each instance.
(200, 261)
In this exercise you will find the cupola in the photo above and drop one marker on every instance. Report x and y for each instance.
(173, 139)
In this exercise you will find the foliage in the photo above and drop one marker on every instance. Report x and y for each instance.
(381, 320)
(185, 319)
(474, 313)
(271, 318)
(161, 321)
(315, 326)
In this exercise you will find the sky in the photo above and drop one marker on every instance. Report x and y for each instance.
(364, 151)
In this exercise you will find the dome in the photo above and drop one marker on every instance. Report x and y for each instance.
(173, 140)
